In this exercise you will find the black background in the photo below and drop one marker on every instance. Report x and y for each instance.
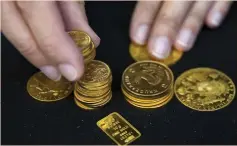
(27, 121)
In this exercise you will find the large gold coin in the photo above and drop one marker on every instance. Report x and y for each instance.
(42, 88)
(140, 53)
(147, 79)
(96, 72)
(204, 89)
(81, 39)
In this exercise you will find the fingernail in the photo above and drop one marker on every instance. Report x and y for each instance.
(141, 34)
(51, 72)
(216, 18)
(186, 39)
(161, 47)
(68, 71)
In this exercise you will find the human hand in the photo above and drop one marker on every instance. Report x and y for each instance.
(38, 29)
(162, 25)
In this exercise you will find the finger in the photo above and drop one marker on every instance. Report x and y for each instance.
(217, 13)
(142, 20)
(20, 36)
(47, 26)
(192, 25)
(75, 18)
(166, 26)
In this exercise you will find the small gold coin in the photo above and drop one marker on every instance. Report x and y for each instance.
(147, 79)
(42, 88)
(140, 53)
(96, 72)
(81, 39)
(204, 89)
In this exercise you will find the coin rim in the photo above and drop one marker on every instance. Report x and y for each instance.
(203, 68)
(148, 61)
(45, 100)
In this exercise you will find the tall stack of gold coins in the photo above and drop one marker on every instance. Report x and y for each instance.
(147, 84)
(84, 42)
(140, 53)
(93, 90)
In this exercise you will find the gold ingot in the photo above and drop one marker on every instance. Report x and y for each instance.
(41, 88)
(147, 79)
(140, 53)
(204, 89)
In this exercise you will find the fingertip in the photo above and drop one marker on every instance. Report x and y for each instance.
(214, 19)
(140, 34)
(185, 39)
(160, 47)
(70, 72)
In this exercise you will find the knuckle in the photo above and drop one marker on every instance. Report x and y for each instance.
(27, 47)
(49, 47)
(169, 22)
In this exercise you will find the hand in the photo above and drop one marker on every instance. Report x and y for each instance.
(161, 25)
(38, 29)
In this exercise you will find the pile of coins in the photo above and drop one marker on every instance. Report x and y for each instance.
(140, 53)
(84, 42)
(147, 84)
(93, 90)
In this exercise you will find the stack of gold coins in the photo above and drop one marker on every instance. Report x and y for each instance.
(147, 84)
(93, 90)
(84, 42)
(140, 53)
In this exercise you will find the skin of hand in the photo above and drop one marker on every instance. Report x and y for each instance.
(163, 24)
(38, 29)
(41, 31)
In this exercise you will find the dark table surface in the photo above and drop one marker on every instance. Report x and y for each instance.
(27, 121)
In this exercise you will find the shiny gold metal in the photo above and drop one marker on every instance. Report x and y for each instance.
(42, 88)
(96, 72)
(140, 53)
(147, 78)
(81, 39)
(204, 89)
(118, 129)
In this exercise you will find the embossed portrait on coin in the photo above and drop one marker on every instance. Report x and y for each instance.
(153, 76)
(95, 72)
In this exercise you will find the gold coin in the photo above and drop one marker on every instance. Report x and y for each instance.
(94, 93)
(95, 73)
(78, 103)
(147, 101)
(42, 88)
(81, 39)
(87, 51)
(148, 106)
(140, 53)
(147, 79)
(204, 89)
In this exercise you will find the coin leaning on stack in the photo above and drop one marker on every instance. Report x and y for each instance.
(140, 53)
(147, 84)
(84, 42)
(93, 90)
